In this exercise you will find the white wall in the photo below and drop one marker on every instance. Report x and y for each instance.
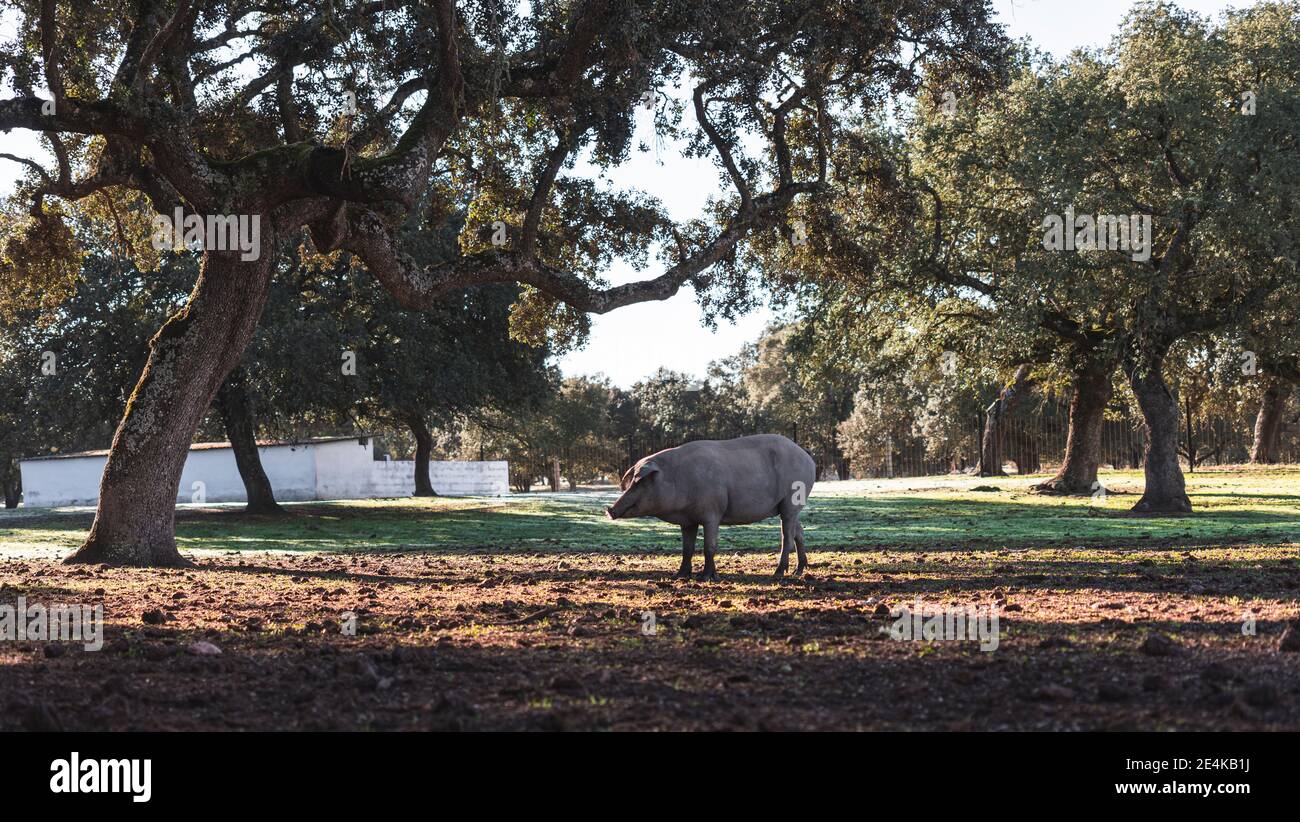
(210, 476)
(394, 478)
(291, 468)
(69, 481)
(341, 469)
(449, 478)
(455, 479)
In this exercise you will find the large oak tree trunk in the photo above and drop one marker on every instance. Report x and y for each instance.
(1268, 424)
(423, 454)
(232, 405)
(995, 423)
(1165, 490)
(1091, 391)
(188, 360)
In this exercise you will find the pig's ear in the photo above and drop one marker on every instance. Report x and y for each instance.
(635, 474)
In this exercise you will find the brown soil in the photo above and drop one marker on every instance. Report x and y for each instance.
(555, 641)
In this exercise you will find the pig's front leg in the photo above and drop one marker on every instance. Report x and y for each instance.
(710, 573)
(689, 532)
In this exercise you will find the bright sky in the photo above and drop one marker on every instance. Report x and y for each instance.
(630, 343)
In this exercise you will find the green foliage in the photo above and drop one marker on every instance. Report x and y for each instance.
(452, 359)
(39, 263)
(66, 370)
(933, 238)
(317, 98)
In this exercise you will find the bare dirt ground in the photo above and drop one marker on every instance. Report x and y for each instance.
(510, 639)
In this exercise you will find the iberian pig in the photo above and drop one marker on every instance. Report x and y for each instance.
(708, 483)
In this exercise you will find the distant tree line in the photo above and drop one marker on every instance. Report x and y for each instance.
(901, 400)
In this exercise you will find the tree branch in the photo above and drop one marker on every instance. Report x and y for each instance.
(49, 51)
(160, 41)
(72, 115)
(370, 131)
(723, 149)
(363, 233)
(542, 191)
(288, 110)
(555, 77)
(32, 164)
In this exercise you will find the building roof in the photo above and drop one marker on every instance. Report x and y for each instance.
(208, 446)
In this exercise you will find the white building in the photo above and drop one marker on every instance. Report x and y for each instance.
(321, 469)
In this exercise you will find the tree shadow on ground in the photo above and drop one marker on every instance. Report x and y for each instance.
(546, 640)
(892, 579)
(711, 676)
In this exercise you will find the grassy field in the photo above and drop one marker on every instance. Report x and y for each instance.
(933, 512)
(529, 612)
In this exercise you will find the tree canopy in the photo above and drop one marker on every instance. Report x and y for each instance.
(1175, 149)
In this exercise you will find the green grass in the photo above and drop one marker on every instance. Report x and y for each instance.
(938, 512)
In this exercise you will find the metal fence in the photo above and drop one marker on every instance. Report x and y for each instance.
(1035, 442)
(1032, 442)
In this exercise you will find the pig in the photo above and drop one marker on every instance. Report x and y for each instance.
(722, 482)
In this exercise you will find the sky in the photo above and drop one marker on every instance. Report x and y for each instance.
(630, 343)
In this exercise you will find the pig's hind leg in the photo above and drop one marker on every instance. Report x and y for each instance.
(689, 533)
(710, 572)
(798, 544)
(789, 527)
